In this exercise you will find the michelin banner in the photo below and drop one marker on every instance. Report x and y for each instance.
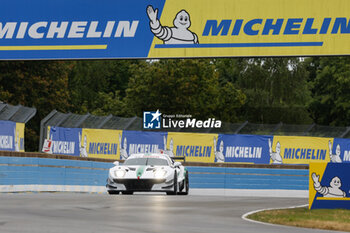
(340, 150)
(135, 142)
(242, 149)
(11, 136)
(196, 147)
(299, 150)
(85, 29)
(63, 141)
(100, 143)
(329, 186)
(95, 143)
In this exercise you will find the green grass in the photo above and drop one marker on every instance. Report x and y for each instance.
(337, 219)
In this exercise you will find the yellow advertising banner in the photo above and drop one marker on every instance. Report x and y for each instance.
(195, 147)
(300, 150)
(226, 28)
(19, 137)
(100, 143)
(317, 169)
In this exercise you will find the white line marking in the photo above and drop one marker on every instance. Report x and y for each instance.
(244, 216)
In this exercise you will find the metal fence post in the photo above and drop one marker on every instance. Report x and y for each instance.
(346, 132)
(107, 118)
(241, 127)
(130, 122)
(81, 121)
(309, 129)
(279, 125)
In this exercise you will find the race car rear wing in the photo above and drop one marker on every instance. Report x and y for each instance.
(179, 158)
(173, 157)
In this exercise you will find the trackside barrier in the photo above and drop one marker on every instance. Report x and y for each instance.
(248, 178)
(18, 174)
(196, 147)
(25, 174)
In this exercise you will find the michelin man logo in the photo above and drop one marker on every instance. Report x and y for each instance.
(179, 34)
(171, 147)
(151, 120)
(82, 148)
(123, 148)
(335, 158)
(275, 155)
(332, 191)
(17, 141)
(219, 155)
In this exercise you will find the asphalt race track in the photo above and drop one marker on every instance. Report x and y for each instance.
(85, 213)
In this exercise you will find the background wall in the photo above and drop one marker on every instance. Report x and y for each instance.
(19, 174)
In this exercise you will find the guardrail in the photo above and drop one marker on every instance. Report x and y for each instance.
(192, 164)
(248, 178)
(42, 174)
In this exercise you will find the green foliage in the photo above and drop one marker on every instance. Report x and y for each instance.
(108, 103)
(260, 90)
(39, 84)
(231, 100)
(331, 90)
(180, 86)
(276, 88)
(88, 79)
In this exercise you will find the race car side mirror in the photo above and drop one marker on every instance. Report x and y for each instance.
(177, 164)
(116, 163)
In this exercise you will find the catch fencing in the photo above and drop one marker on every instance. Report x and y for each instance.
(17, 113)
(12, 124)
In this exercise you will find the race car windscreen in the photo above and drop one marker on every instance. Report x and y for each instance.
(146, 161)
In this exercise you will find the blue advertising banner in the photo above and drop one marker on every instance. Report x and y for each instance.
(119, 29)
(340, 150)
(134, 142)
(65, 141)
(329, 186)
(7, 136)
(243, 148)
(41, 29)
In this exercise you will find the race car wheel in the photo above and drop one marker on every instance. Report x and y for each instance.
(186, 185)
(175, 186)
(127, 193)
(113, 192)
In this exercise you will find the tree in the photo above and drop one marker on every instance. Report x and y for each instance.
(179, 86)
(39, 84)
(331, 90)
(109, 103)
(89, 79)
(231, 101)
(276, 88)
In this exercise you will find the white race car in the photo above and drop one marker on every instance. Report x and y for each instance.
(148, 173)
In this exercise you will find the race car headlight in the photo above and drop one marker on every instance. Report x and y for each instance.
(119, 173)
(160, 173)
